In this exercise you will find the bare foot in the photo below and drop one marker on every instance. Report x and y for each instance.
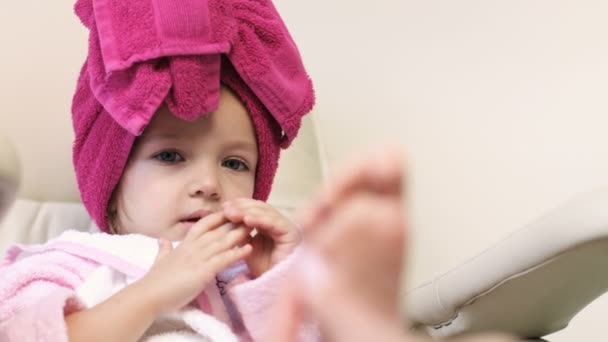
(349, 276)
(349, 279)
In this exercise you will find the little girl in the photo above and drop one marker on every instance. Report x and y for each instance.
(179, 114)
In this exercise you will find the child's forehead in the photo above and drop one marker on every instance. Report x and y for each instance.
(230, 123)
(166, 123)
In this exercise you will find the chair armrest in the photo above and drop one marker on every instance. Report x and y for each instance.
(531, 284)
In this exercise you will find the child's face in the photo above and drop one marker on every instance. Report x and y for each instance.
(179, 171)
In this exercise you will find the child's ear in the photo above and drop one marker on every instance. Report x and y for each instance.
(112, 212)
(111, 220)
(112, 207)
(111, 216)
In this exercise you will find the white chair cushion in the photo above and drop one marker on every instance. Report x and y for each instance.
(31, 222)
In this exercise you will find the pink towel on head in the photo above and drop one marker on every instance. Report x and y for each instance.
(143, 53)
(250, 33)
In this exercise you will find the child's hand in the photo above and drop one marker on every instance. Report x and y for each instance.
(179, 275)
(277, 236)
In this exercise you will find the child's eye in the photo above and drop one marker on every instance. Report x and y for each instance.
(169, 157)
(235, 164)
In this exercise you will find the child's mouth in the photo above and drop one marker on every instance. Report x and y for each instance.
(188, 223)
(194, 217)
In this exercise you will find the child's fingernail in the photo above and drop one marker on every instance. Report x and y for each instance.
(227, 204)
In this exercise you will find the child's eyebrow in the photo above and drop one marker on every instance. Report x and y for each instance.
(250, 146)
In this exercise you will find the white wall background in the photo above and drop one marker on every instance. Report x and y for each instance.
(42, 47)
(500, 105)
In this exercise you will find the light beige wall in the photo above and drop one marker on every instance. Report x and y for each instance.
(42, 47)
(501, 106)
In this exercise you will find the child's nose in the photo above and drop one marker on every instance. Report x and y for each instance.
(206, 185)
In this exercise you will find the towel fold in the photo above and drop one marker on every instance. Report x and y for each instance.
(130, 39)
(143, 53)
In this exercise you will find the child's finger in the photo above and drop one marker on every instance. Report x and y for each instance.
(247, 239)
(164, 247)
(244, 203)
(228, 257)
(234, 214)
(208, 237)
(204, 225)
(271, 225)
(213, 245)
(235, 210)
(263, 218)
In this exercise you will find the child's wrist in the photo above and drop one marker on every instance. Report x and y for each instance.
(152, 296)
